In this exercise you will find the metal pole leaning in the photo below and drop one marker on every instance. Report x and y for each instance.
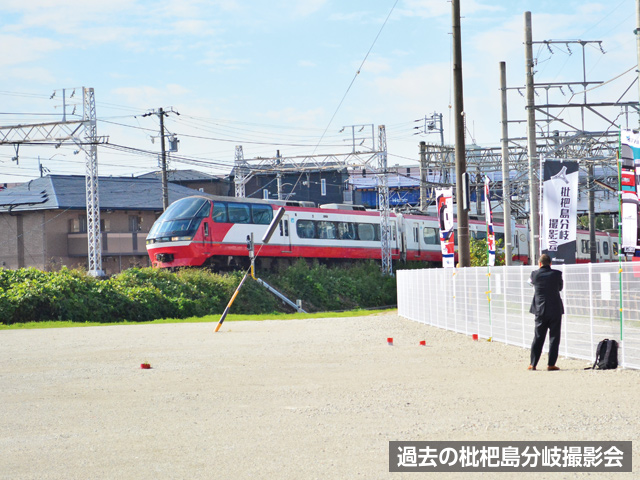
(265, 239)
(235, 294)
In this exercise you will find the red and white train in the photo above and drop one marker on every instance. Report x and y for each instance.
(212, 231)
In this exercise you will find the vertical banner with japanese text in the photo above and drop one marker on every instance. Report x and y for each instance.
(559, 210)
(491, 236)
(444, 199)
(629, 189)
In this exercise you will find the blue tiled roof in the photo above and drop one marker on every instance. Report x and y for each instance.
(183, 176)
(69, 192)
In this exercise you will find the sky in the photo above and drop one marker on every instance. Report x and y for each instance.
(289, 75)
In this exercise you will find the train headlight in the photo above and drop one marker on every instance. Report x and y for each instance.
(181, 239)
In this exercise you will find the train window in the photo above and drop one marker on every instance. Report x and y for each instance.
(455, 237)
(239, 213)
(326, 230)
(262, 214)
(187, 208)
(376, 230)
(219, 213)
(431, 236)
(479, 234)
(346, 231)
(605, 247)
(416, 238)
(615, 248)
(499, 236)
(366, 232)
(584, 248)
(306, 229)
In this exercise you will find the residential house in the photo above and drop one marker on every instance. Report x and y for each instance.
(43, 223)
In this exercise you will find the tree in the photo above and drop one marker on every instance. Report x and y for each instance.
(480, 252)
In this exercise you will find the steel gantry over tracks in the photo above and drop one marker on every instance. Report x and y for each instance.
(83, 133)
(374, 161)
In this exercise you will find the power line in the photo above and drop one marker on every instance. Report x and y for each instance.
(355, 76)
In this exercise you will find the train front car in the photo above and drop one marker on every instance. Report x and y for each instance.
(177, 238)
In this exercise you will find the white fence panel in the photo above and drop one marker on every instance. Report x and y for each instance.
(601, 301)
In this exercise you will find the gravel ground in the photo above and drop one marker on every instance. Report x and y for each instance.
(298, 399)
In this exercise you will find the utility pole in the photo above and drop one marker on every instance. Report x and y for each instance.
(592, 214)
(506, 184)
(279, 176)
(534, 217)
(432, 124)
(165, 179)
(637, 32)
(464, 254)
(423, 176)
(163, 153)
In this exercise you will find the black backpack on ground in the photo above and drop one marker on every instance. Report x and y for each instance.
(606, 355)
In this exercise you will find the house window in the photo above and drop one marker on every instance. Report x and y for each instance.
(78, 225)
(135, 223)
(323, 187)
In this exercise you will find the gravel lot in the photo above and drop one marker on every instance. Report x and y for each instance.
(298, 399)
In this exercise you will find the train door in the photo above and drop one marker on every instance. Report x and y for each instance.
(606, 249)
(402, 236)
(416, 238)
(285, 237)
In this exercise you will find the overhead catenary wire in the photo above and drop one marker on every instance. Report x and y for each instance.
(356, 75)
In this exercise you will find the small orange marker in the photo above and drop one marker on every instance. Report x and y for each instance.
(145, 366)
(423, 343)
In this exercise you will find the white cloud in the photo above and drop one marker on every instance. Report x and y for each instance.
(36, 75)
(304, 8)
(437, 8)
(358, 16)
(376, 66)
(193, 27)
(17, 50)
(306, 63)
(144, 96)
(312, 117)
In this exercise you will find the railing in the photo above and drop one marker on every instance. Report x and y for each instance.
(113, 243)
(601, 301)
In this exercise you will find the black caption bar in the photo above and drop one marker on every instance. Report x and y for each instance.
(510, 456)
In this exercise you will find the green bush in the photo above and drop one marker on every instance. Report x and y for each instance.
(142, 294)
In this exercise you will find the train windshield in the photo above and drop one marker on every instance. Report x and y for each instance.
(182, 218)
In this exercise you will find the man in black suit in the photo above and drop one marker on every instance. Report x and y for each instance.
(548, 309)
